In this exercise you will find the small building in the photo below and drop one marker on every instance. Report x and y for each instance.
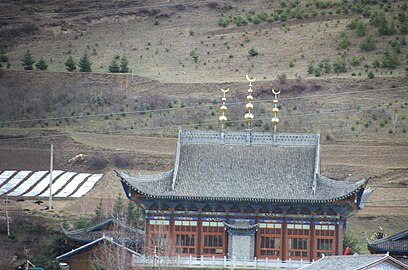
(101, 252)
(112, 228)
(357, 262)
(396, 245)
(245, 195)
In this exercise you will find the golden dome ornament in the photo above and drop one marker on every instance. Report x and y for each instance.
(249, 117)
(223, 108)
(275, 110)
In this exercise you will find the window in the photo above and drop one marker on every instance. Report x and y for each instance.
(270, 235)
(213, 234)
(298, 240)
(158, 231)
(325, 240)
(186, 235)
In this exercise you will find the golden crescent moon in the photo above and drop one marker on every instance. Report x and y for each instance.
(249, 79)
(276, 93)
(224, 91)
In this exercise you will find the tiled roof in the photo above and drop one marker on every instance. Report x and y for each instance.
(83, 248)
(394, 243)
(245, 166)
(97, 231)
(353, 262)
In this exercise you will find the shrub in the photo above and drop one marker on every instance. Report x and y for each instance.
(376, 63)
(340, 66)
(310, 68)
(252, 52)
(368, 44)
(404, 28)
(97, 162)
(370, 74)
(390, 60)
(120, 161)
(325, 65)
(224, 22)
(3, 56)
(361, 29)
(194, 55)
(355, 61)
(353, 24)
(317, 72)
(239, 21)
(377, 19)
(291, 64)
(344, 41)
(386, 28)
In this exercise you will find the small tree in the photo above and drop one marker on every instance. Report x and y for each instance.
(85, 63)
(385, 28)
(310, 68)
(114, 66)
(70, 64)
(134, 215)
(41, 65)
(344, 41)
(368, 44)
(351, 242)
(371, 75)
(118, 210)
(3, 56)
(28, 60)
(124, 65)
(390, 60)
(98, 213)
(361, 29)
(340, 65)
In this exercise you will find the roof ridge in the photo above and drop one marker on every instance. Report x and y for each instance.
(147, 177)
(393, 237)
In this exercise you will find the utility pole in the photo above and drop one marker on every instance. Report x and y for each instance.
(8, 223)
(51, 165)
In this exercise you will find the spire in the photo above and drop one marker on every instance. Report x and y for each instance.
(249, 117)
(223, 108)
(275, 110)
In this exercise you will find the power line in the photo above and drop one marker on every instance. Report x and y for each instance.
(203, 123)
(193, 107)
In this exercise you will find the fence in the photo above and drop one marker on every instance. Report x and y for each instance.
(217, 262)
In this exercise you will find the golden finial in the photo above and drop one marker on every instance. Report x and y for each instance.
(275, 110)
(249, 117)
(223, 108)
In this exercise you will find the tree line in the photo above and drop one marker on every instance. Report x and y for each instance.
(84, 64)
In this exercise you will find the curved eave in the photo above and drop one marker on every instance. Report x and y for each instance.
(88, 240)
(385, 250)
(100, 225)
(205, 198)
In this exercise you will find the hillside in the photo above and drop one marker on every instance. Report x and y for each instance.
(213, 41)
(180, 54)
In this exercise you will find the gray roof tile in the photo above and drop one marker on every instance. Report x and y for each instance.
(353, 262)
(394, 243)
(262, 166)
